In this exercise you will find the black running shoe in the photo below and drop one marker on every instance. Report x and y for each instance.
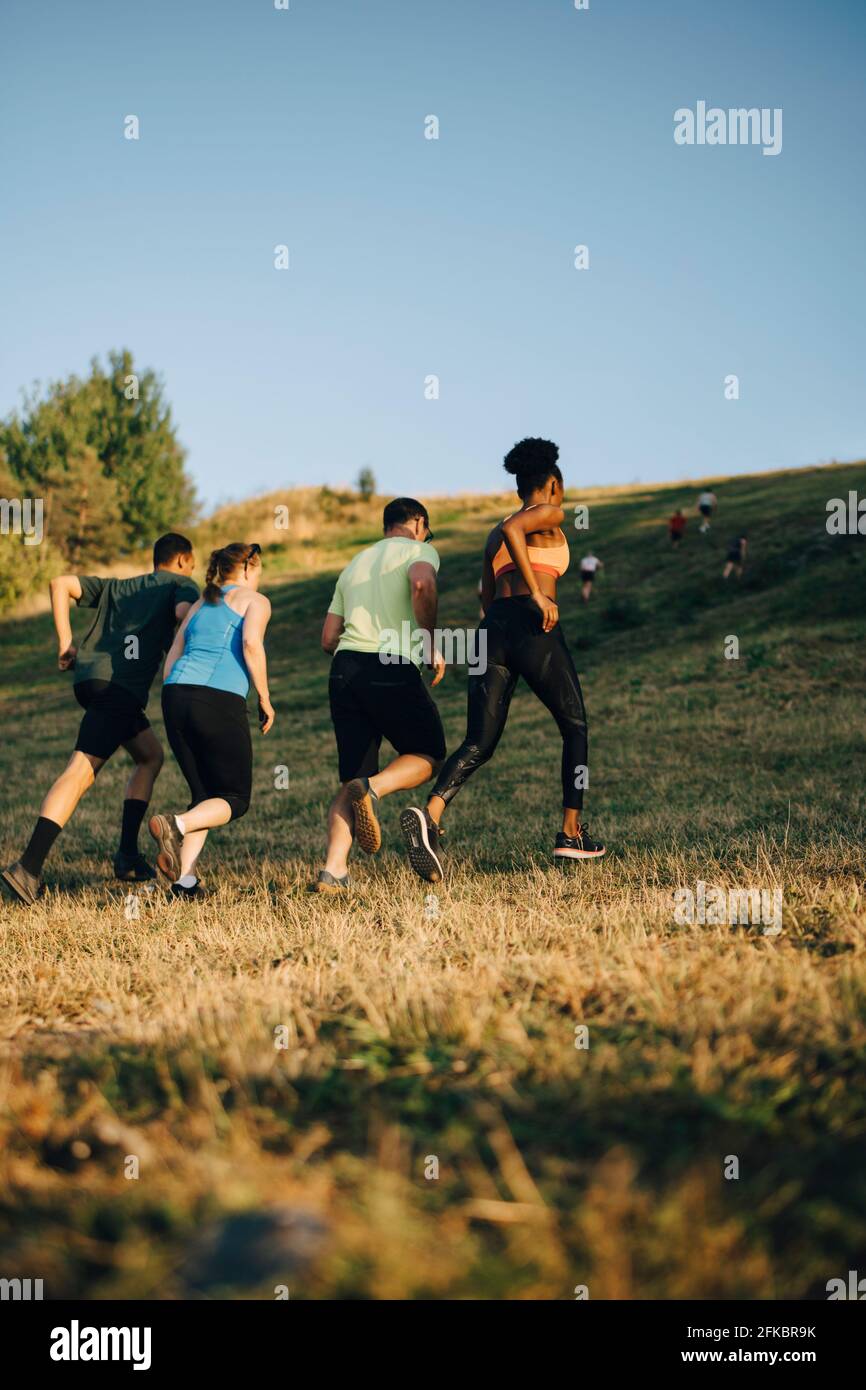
(196, 892)
(25, 886)
(132, 868)
(169, 839)
(368, 831)
(421, 836)
(581, 846)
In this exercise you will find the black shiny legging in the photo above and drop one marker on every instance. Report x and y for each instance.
(517, 646)
(209, 733)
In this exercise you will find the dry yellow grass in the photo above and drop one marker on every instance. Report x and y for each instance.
(481, 1003)
(268, 1050)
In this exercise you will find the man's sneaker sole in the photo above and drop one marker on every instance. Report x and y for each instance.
(167, 837)
(20, 890)
(368, 831)
(579, 853)
(422, 857)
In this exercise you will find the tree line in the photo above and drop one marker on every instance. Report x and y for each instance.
(102, 455)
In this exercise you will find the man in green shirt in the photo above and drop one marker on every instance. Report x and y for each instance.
(380, 628)
(113, 669)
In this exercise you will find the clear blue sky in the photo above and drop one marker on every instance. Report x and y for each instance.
(455, 256)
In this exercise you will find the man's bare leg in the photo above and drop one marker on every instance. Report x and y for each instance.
(58, 805)
(146, 752)
(405, 772)
(340, 834)
(408, 770)
(76, 778)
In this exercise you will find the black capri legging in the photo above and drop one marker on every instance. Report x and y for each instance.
(209, 733)
(517, 646)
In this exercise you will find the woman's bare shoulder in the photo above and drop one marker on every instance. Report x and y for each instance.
(494, 539)
(240, 598)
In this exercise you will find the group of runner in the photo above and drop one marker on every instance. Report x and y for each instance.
(735, 555)
(213, 647)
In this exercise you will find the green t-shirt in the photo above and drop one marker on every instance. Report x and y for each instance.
(373, 597)
(133, 627)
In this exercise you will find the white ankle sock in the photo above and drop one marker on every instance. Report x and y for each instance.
(178, 820)
(187, 880)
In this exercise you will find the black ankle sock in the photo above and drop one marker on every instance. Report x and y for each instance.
(133, 815)
(44, 834)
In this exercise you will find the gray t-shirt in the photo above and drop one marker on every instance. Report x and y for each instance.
(132, 629)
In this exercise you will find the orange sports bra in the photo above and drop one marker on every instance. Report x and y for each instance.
(544, 559)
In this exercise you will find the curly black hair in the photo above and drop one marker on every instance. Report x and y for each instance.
(533, 462)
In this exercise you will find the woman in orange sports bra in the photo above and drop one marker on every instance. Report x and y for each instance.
(524, 557)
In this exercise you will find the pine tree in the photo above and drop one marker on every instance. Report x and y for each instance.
(83, 512)
(366, 484)
(108, 440)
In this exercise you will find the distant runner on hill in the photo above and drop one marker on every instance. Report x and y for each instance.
(676, 526)
(589, 566)
(736, 556)
(707, 503)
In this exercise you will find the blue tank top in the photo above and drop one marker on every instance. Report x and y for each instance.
(213, 652)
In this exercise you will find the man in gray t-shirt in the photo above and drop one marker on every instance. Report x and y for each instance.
(113, 669)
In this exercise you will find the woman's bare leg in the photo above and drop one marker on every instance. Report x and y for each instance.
(207, 814)
(193, 844)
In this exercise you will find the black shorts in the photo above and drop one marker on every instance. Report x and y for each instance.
(112, 717)
(371, 700)
(705, 509)
(587, 576)
(209, 733)
(676, 537)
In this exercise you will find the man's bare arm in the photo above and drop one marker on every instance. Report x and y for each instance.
(332, 630)
(65, 589)
(425, 606)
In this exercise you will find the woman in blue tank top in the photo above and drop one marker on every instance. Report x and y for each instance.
(219, 649)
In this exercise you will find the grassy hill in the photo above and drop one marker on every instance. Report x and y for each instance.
(444, 1029)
